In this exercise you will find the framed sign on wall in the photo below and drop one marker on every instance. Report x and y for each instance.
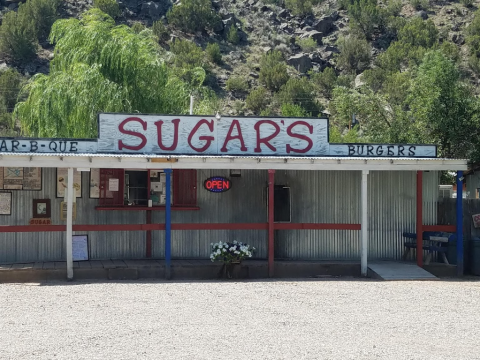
(62, 182)
(5, 203)
(19, 178)
(41, 208)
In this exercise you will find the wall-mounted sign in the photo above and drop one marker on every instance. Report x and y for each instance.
(62, 182)
(217, 184)
(476, 221)
(206, 135)
(80, 247)
(19, 178)
(113, 184)
(63, 211)
(40, 222)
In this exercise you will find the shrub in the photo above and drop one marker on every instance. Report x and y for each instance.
(109, 7)
(10, 83)
(43, 13)
(236, 84)
(364, 16)
(138, 27)
(418, 32)
(18, 41)
(355, 53)
(299, 7)
(420, 4)
(193, 15)
(187, 54)
(160, 30)
(258, 100)
(292, 110)
(325, 81)
(232, 35)
(307, 44)
(394, 7)
(299, 92)
(467, 3)
(273, 70)
(213, 53)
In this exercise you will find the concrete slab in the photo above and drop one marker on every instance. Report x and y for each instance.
(392, 270)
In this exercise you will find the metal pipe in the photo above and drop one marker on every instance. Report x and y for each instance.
(69, 224)
(168, 224)
(459, 223)
(271, 219)
(364, 248)
(419, 226)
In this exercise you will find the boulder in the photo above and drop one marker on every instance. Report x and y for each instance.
(422, 14)
(325, 23)
(300, 62)
(314, 34)
(155, 10)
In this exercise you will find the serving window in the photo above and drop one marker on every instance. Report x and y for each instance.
(134, 188)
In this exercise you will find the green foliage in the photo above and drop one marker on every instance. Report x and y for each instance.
(467, 3)
(193, 15)
(364, 16)
(42, 13)
(299, 92)
(307, 44)
(257, 100)
(351, 135)
(213, 53)
(396, 87)
(273, 70)
(301, 7)
(187, 54)
(418, 32)
(443, 108)
(109, 7)
(237, 84)
(160, 31)
(138, 27)
(232, 35)
(394, 7)
(473, 41)
(420, 4)
(325, 81)
(10, 83)
(450, 50)
(292, 110)
(355, 53)
(98, 67)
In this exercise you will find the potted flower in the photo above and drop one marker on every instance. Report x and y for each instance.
(230, 253)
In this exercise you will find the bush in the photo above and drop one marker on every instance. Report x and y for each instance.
(160, 31)
(213, 53)
(299, 7)
(109, 7)
(273, 70)
(193, 15)
(18, 41)
(232, 35)
(467, 3)
(394, 7)
(420, 4)
(299, 92)
(43, 13)
(187, 54)
(364, 16)
(325, 81)
(355, 53)
(307, 44)
(418, 32)
(236, 84)
(291, 110)
(258, 100)
(10, 83)
(138, 27)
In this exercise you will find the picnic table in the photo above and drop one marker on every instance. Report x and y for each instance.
(431, 241)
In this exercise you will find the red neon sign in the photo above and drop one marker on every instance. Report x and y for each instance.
(217, 184)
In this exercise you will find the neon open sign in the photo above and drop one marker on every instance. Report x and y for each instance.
(217, 184)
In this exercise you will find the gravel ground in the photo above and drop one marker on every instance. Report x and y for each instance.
(318, 319)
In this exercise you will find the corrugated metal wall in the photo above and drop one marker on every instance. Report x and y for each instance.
(317, 197)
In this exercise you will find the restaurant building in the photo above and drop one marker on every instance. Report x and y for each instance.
(166, 187)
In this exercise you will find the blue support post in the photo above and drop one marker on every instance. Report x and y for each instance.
(459, 223)
(168, 223)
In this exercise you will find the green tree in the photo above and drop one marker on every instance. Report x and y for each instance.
(273, 70)
(443, 108)
(193, 15)
(258, 100)
(160, 30)
(98, 67)
(109, 7)
(355, 53)
(364, 16)
(213, 53)
(299, 92)
(418, 32)
(232, 35)
(325, 81)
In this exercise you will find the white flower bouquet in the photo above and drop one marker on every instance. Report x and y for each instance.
(230, 252)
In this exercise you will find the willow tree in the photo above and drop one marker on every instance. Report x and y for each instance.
(98, 67)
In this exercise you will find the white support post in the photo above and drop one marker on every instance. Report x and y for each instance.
(364, 249)
(191, 104)
(69, 224)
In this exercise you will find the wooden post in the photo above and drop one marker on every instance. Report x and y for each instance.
(69, 238)
(419, 227)
(271, 219)
(459, 223)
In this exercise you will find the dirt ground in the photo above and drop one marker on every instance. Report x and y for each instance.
(314, 319)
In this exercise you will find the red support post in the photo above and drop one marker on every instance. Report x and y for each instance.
(271, 225)
(419, 228)
(149, 235)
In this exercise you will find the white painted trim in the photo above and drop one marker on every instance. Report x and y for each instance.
(69, 238)
(305, 163)
(364, 223)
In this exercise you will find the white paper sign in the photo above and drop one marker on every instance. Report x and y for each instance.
(476, 221)
(80, 247)
(113, 184)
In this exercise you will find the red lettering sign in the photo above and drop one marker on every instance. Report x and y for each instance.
(229, 137)
(266, 140)
(121, 128)
(159, 124)
(217, 184)
(208, 139)
(300, 136)
(40, 222)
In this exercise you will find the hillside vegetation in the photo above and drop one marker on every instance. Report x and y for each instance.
(383, 71)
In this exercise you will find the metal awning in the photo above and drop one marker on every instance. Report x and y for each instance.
(153, 161)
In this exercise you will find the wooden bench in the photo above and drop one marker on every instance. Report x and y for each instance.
(432, 242)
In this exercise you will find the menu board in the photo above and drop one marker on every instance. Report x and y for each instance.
(62, 182)
(19, 178)
(79, 247)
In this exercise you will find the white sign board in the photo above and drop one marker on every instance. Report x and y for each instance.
(113, 184)
(80, 247)
(476, 221)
